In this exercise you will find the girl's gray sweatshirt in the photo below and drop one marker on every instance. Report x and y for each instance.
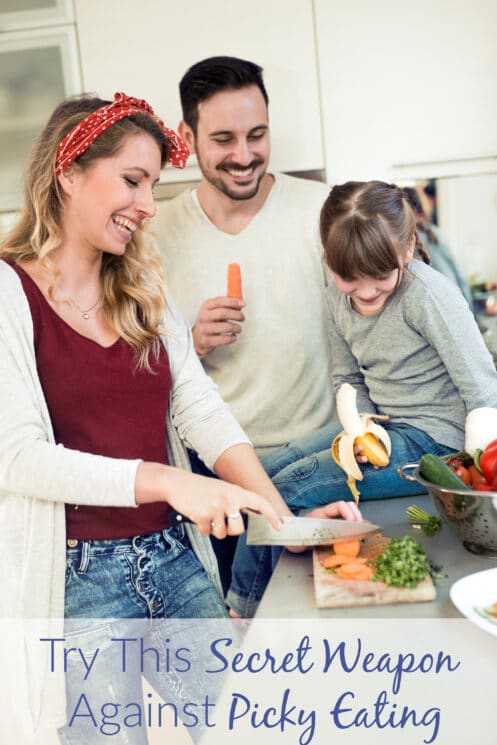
(422, 360)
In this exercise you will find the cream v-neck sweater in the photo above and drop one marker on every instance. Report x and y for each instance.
(277, 376)
(37, 477)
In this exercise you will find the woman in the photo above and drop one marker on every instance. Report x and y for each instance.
(94, 360)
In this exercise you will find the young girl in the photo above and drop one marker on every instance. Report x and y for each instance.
(404, 338)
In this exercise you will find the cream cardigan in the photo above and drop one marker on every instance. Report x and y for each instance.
(37, 477)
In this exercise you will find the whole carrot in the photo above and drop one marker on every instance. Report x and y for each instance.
(234, 281)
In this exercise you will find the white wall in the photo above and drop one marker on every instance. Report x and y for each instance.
(403, 82)
(468, 213)
(145, 46)
(407, 83)
(356, 87)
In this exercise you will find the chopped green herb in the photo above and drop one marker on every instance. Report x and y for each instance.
(402, 564)
(429, 524)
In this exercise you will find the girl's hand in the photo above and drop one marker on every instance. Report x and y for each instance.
(358, 454)
(345, 510)
(361, 458)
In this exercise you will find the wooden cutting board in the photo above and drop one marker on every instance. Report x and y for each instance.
(333, 592)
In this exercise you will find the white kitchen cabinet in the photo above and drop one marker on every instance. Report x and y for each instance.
(144, 48)
(39, 66)
(406, 83)
(467, 209)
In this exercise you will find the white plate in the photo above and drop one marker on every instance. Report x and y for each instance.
(472, 594)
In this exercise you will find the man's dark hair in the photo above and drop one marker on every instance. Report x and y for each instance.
(212, 75)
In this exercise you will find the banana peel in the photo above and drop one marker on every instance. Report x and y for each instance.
(358, 430)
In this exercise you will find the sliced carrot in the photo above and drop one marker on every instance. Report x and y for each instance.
(336, 560)
(354, 571)
(234, 281)
(347, 548)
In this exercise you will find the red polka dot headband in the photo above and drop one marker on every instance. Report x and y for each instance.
(83, 134)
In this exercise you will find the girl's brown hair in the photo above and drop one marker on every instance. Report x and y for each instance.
(133, 286)
(366, 228)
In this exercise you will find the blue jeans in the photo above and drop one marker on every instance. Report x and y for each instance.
(149, 590)
(306, 476)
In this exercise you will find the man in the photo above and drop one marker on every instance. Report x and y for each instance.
(269, 354)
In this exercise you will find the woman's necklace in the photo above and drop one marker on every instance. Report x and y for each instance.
(85, 313)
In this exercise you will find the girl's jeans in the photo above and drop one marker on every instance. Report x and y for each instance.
(307, 476)
(149, 590)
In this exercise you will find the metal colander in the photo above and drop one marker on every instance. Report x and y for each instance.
(472, 515)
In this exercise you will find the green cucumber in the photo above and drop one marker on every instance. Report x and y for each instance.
(436, 471)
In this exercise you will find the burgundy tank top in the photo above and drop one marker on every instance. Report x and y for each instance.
(100, 403)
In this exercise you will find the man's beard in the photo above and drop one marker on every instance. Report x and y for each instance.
(221, 186)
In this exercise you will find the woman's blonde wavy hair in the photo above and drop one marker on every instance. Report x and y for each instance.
(133, 298)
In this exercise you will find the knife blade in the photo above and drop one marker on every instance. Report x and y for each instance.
(305, 531)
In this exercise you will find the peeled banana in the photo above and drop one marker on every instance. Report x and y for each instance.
(358, 430)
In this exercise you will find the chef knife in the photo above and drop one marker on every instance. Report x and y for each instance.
(305, 531)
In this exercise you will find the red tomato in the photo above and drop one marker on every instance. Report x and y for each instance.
(478, 480)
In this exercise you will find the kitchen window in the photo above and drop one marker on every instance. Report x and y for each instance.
(19, 14)
(39, 66)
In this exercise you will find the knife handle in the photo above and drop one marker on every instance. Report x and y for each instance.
(176, 518)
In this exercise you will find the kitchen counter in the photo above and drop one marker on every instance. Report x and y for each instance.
(290, 592)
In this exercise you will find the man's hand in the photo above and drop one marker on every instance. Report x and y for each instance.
(216, 324)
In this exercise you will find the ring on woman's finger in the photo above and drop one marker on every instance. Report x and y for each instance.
(217, 525)
(234, 515)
